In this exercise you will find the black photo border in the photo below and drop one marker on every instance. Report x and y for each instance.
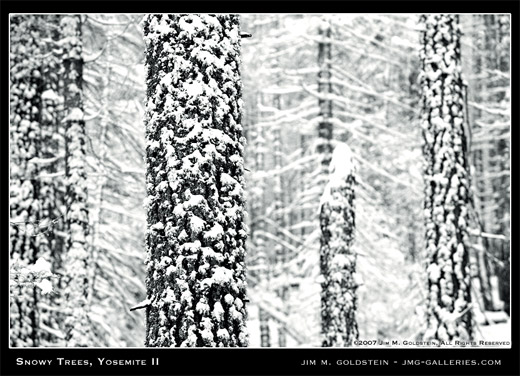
(257, 361)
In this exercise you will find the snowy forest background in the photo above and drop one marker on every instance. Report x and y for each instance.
(375, 101)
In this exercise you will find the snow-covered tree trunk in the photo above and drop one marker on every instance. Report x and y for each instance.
(447, 185)
(76, 259)
(52, 192)
(196, 231)
(337, 257)
(36, 196)
(25, 201)
(325, 130)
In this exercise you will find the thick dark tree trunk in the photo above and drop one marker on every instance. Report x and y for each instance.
(36, 188)
(25, 199)
(196, 232)
(447, 180)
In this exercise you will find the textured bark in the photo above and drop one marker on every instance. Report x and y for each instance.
(447, 185)
(196, 233)
(25, 201)
(52, 191)
(36, 194)
(338, 262)
(325, 130)
(76, 259)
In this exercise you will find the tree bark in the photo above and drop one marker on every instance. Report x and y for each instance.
(25, 200)
(338, 259)
(447, 185)
(76, 259)
(325, 130)
(196, 234)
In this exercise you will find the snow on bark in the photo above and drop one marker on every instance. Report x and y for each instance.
(26, 189)
(24, 139)
(34, 199)
(196, 232)
(447, 194)
(52, 192)
(76, 259)
(325, 129)
(337, 257)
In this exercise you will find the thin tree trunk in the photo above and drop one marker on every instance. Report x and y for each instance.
(76, 259)
(52, 192)
(324, 147)
(337, 257)
(261, 244)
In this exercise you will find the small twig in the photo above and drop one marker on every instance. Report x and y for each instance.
(145, 303)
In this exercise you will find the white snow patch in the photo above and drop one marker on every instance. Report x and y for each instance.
(341, 166)
(218, 311)
(223, 334)
(222, 275)
(45, 285)
(50, 95)
(157, 226)
(215, 232)
(434, 272)
(197, 224)
(193, 89)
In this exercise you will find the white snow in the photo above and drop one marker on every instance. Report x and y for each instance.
(157, 226)
(197, 224)
(45, 285)
(215, 233)
(222, 275)
(194, 89)
(75, 114)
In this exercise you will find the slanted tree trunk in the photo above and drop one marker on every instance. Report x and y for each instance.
(196, 281)
(337, 257)
(76, 258)
(447, 185)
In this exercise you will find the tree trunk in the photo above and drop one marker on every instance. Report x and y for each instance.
(447, 187)
(260, 241)
(25, 199)
(196, 234)
(337, 257)
(324, 146)
(76, 259)
(52, 191)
